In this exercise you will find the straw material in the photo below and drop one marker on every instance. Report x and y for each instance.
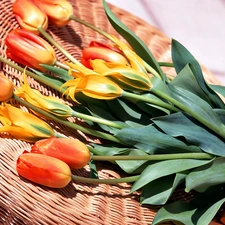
(21, 201)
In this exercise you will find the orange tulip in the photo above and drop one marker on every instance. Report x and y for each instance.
(44, 170)
(29, 49)
(97, 50)
(58, 11)
(29, 16)
(71, 151)
(6, 88)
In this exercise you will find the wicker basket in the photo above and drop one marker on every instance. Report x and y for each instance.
(22, 202)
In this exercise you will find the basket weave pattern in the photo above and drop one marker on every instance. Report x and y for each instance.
(23, 202)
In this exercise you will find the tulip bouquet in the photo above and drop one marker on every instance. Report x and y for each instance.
(163, 132)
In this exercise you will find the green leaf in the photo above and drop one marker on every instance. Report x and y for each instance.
(132, 166)
(181, 125)
(205, 176)
(158, 191)
(63, 74)
(93, 168)
(200, 211)
(136, 43)
(181, 57)
(148, 108)
(164, 168)
(196, 104)
(219, 89)
(187, 80)
(128, 113)
(153, 141)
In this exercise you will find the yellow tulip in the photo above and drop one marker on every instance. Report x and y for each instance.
(23, 125)
(125, 76)
(94, 86)
(6, 88)
(136, 61)
(49, 104)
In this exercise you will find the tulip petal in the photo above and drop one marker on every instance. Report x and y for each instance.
(44, 170)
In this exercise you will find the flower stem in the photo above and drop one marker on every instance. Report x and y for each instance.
(85, 130)
(195, 115)
(31, 74)
(153, 157)
(98, 120)
(105, 181)
(150, 100)
(166, 64)
(59, 47)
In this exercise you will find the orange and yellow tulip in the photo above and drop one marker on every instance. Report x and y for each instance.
(58, 11)
(23, 125)
(71, 151)
(49, 104)
(29, 16)
(7, 88)
(125, 76)
(93, 86)
(29, 49)
(97, 50)
(43, 170)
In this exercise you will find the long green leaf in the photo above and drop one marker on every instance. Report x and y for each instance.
(181, 125)
(181, 57)
(158, 191)
(136, 43)
(187, 80)
(205, 176)
(153, 141)
(164, 168)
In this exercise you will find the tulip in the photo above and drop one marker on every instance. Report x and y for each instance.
(29, 49)
(135, 61)
(49, 104)
(29, 16)
(43, 170)
(93, 86)
(97, 50)
(58, 11)
(6, 88)
(125, 76)
(23, 125)
(71, 151)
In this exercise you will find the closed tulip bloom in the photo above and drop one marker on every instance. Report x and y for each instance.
(29, 49)
(71, 151)
(23, 125)
(49, 104)
(6, 88)
(58, 11)
(97, 50)
(125, 76)
(30, 16)
(93, 86)
(43, 170)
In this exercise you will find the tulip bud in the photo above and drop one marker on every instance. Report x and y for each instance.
(71, 151)
(107, 53)
(94, 86)
(58, 11)
(44, 170)
(29, 16)
(23, 125)
(29, 49)
(6, 88)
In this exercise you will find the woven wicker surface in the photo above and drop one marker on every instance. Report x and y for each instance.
(22, 202)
